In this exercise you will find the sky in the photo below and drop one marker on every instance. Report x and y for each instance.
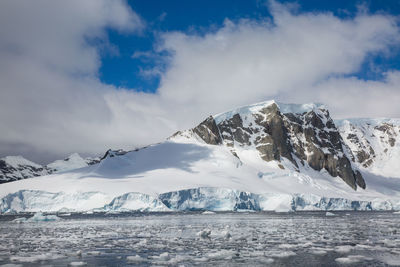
(86, 76)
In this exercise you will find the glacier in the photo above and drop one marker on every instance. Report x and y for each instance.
(196, 199)
(187, 173)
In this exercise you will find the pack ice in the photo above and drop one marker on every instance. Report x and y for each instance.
(265, 156)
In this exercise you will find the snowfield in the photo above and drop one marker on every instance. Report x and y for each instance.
(190, 175)
(185, 173)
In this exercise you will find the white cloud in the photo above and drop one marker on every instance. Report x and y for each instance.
(249, 61)
(52, 102)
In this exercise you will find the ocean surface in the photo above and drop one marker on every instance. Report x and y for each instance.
(204, 239)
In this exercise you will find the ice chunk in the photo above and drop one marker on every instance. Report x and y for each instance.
(35, 258)
(226, 234)
(135, 258)
(204, 233)
(164, 256)
(352, 259)
(222, 254)
(39, 217)
(77, 263)
(281, 254)
(20, 220)
(208, 212)
(344, 249)
(94, 252)
(330, 214)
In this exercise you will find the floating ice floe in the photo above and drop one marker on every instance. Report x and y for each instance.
(38, 217)
(208, 212)
(330, 214)
(344, 249)
(352, 259)
(77, 263)
(204, 233)
(35, 258)
(135, 258)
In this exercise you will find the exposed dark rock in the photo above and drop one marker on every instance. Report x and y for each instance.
(208, 131)
(112, 153)
(360, 180)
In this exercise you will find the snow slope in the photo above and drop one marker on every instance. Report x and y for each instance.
(375, 144)
(186, 173)
(74, 161)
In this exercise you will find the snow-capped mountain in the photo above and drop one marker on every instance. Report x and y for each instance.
(301, 134)
(13, 168)
(266, 156)
(375, 144)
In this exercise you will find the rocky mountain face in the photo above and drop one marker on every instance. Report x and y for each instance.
(305, 135)
(13, 168)
(374, 143)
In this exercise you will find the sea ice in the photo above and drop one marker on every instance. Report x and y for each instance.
(77, 263)
(222, 254)
(204, 233)
(35, 258)
(344, 249)
(208, 212)
(164, 256)
(352, 259)
(135, 258)
(38, 217)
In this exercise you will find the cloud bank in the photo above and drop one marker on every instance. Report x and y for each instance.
(52, 102)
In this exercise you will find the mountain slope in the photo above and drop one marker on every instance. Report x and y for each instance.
(270, 156)
(13, 168)
(375, 144)
(302, 134)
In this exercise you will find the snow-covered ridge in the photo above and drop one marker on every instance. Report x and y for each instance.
(16, 161)
(367, 121)
(254, 108)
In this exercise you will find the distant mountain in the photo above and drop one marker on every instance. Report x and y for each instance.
(265, 156)
(13, 168)
(74, 161)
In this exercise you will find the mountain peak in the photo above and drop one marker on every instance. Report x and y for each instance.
(303, 134)
(282, 107)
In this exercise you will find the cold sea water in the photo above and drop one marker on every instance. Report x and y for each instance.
(203, 239)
